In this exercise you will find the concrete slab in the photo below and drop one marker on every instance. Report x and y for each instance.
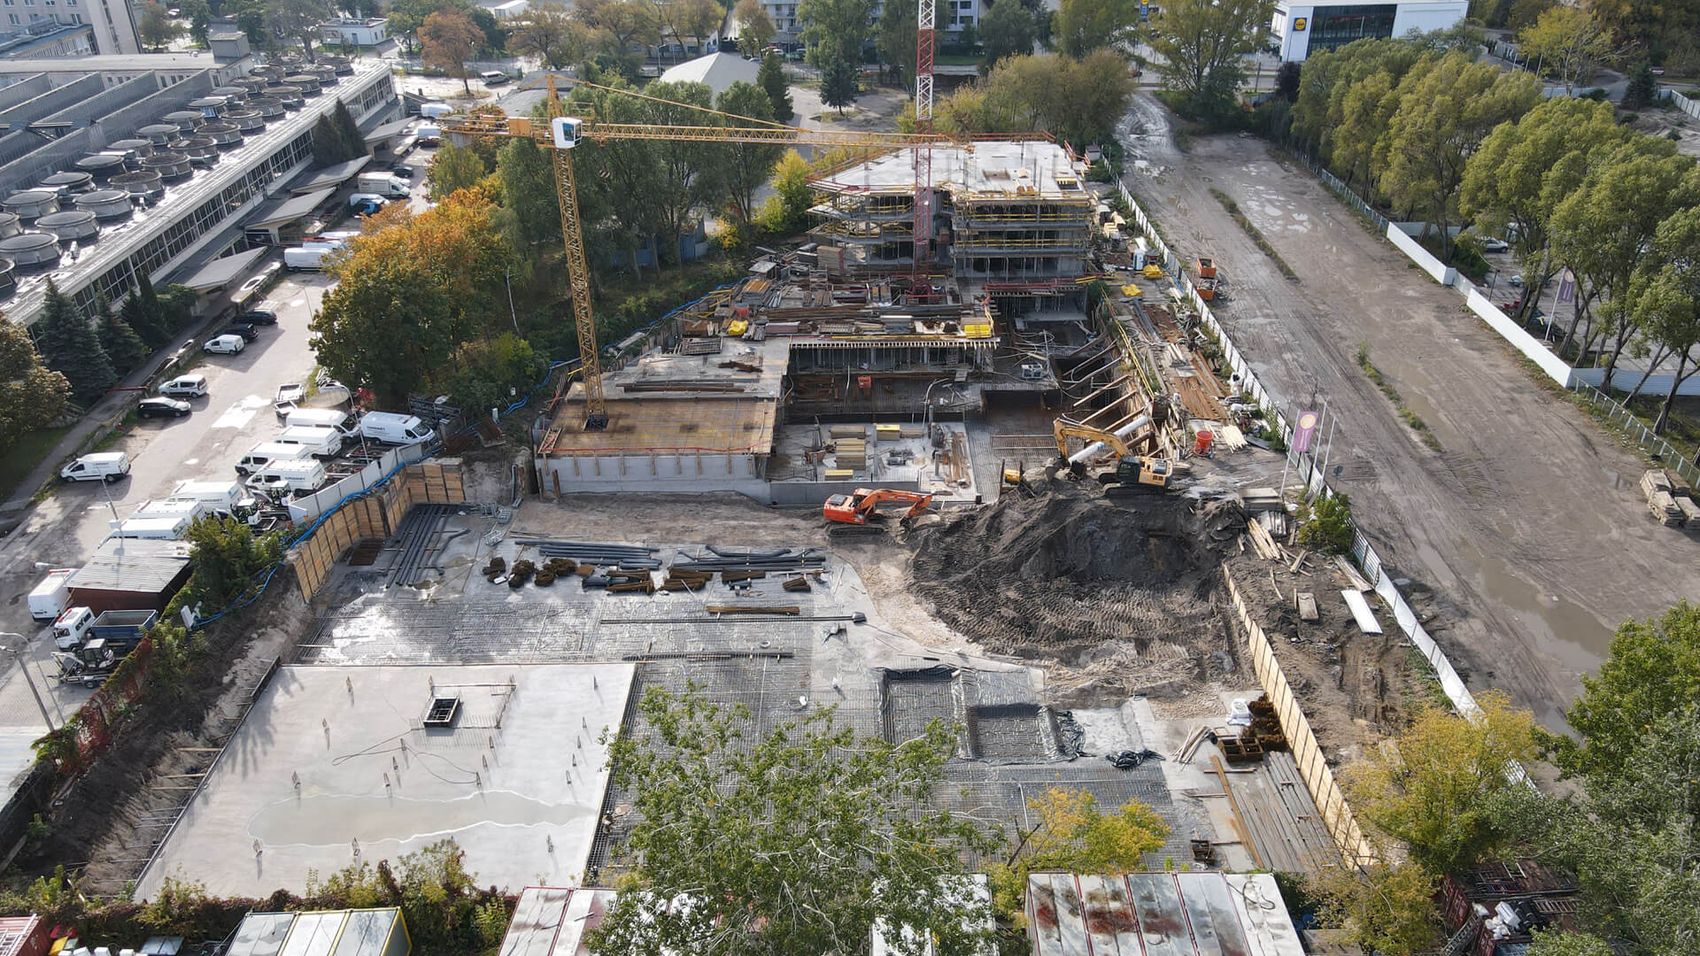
(517, 779)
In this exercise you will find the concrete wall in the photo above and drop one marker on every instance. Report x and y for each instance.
(1442, 274)
(372, 516)
(677, 470)
(1687, 104)
(1520, 339)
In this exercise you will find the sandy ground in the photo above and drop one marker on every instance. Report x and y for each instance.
(1527, 525)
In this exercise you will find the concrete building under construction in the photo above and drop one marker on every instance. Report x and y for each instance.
(758, 388)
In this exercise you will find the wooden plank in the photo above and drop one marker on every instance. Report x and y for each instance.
(1361, 611)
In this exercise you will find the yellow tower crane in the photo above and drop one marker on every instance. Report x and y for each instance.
(563, 133)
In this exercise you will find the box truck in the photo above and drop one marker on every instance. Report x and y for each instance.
(321, 418)
(320, 442)
(284, 478)
(217, 495)
(308, 258)
(49, 599)
(165, 528)
(268, 452)
(387, 185)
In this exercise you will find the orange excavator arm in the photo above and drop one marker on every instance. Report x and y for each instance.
(864, 503)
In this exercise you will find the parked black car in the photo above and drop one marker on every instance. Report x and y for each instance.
(248, 332)
(162, 408)
(257, 317)
(403, 170)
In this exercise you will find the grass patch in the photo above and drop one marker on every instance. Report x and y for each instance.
(1246, 227)
(26, 453)
(1410, 418)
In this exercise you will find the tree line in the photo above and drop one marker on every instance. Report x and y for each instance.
(468, 297)
(68, 356)
(1429, 133)
(1624, 825)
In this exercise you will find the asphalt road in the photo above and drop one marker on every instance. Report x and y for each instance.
(1526, 525)
(60, 530)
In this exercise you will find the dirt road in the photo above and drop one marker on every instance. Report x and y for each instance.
(1527, 524)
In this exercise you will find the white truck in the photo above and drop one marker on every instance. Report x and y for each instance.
(71, 627)
(107, 466)
(49, 598)
(395, 429)
(309, 258)
(321, 418)
(171, 508)
(221, 496)
(428, 134)
(284, 478)
(265, 453)
(162, 528)
(320, 442)
(435, 110)
(386, 185)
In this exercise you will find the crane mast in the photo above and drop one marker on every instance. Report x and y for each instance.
(921, 253)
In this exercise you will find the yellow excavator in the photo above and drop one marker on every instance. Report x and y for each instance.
(1133, 473)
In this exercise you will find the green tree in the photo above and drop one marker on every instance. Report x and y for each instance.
(124, 348)
(408, 295)
(835, 32)
(838, 85)
(1568, 43)
(1081, 26)
(495, 39)
(1007, 30)
(327, 143)
(454, 168)
(742, 169)
(1071, 835)
(1444, 113)
(1287, 80)
(531, 209)
(688, 172)
(786, 211)
(755, 27)
(199, 15)
(1436, 790)
(1603, 229)
(1557, 942)
(1666, 292)
(1642, 89)
(1078, 101)
(447, 40)
(225, 557)
(1651, 672)
(297, 20)
(794, 840)
(156, 28)
(1522, 170)
(348, 132)
(69, 345)
(1386, 908)
(1327, 525)
(1202, 43)
(771, 78)
(486, 373)
(894, 40)
(32, 396)
(550, 33)
(618, 181)
(618, 26)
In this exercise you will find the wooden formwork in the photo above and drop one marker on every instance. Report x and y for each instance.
(376, 515)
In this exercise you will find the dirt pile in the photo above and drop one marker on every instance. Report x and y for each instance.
(1120, 594)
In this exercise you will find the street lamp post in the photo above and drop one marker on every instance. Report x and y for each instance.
(24, 669)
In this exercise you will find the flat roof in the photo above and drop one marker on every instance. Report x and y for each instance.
(283, 210)
(365, 932)
(553, 920)
(1008, 167)
(332, 175)
(1176, 914)
(674, 423)
(132, 564)
(114, 63)
(514, 778)
(387, 130)
(220, 272)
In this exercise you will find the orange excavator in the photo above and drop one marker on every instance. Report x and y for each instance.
(851, 513)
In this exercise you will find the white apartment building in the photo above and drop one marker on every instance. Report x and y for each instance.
(954, 15)
(114, 26)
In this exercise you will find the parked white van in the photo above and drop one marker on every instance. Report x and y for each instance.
(171, 508)
(71, 627)
(225, 345)
(107, 466)
(321, 418)
(217, 495)
(49, 598)
(268, 452)
(283, 478)
(185, 386)
(321, 442)
(395, 429)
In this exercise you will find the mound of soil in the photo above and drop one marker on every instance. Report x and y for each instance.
(1122, 592)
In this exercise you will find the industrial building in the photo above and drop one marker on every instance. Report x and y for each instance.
(1302, 29)
(118, 165)
(130, 574)
(364, 32)
(45, 39)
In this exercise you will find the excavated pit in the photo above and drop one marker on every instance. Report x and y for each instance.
(1116, 597)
